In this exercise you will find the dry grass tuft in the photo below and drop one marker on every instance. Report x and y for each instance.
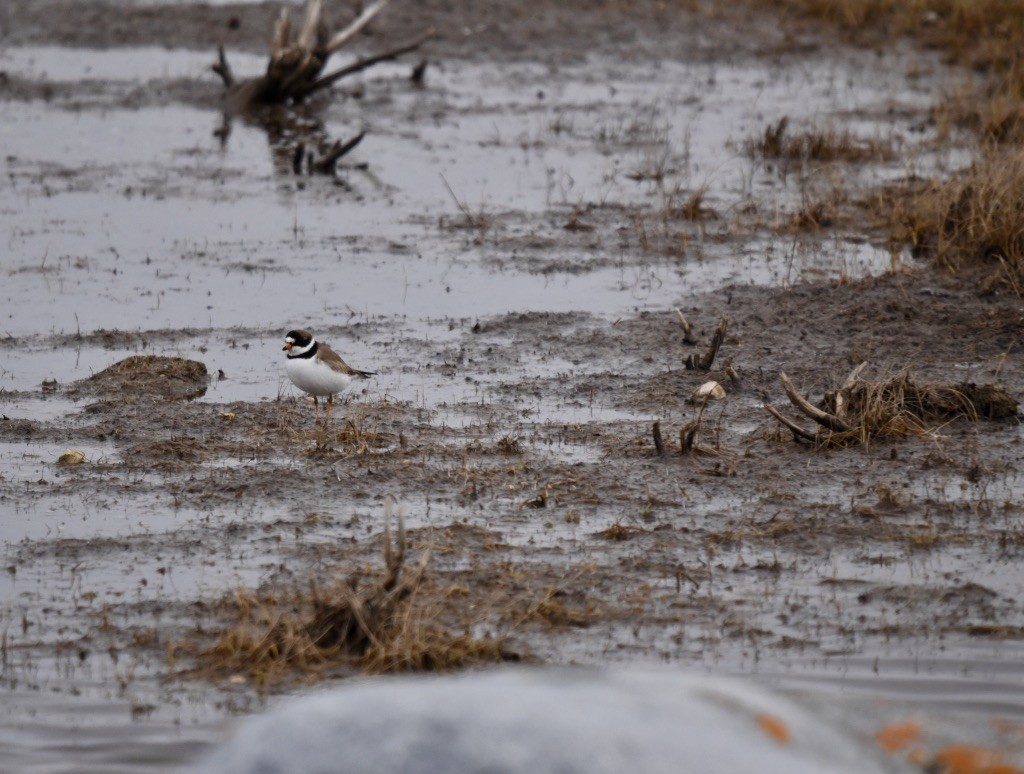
(973, 220)
(983, 34)
(893, 407)
(419, 643)
(385, 626)
(814, 214)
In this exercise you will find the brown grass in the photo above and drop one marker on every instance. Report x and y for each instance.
(897, 407)
(973, 220)
(273, 636)
(815, 213)
(984, 36)
(976, 216)
(815, 145)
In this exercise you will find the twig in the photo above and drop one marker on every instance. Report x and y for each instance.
(393, 561)
(854, 375)
(418, 73)
(470, 218)
(659, 444)
(389, 507)
(687, 328)
(313, 26)
(798, 432)
(734, 377)
(327, 164)
(327, 80)
(823, 418)
(693, 363)
(838, 400)
(687, 437)
(223, 69)
(282, 35)
(345, 35)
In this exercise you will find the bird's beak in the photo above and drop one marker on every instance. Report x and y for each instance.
(287, 346)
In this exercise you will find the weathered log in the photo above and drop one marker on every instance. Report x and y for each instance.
(896, 406)
(296, 66)
(362, 64)
(688, 437)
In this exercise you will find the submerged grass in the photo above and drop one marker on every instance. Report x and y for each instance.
(815, 145)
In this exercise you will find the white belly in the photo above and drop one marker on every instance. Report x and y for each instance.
(314, 377)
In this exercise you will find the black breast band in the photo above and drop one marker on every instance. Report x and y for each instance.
(311, 352)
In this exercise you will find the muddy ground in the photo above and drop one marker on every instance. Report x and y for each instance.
(518, 379)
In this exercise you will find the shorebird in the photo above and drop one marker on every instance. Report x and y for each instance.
(317, 369)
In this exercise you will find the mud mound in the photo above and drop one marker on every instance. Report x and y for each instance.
(173, 378)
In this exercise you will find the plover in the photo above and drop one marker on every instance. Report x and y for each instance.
(317, 369)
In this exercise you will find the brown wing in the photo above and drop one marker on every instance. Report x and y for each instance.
(333, 359)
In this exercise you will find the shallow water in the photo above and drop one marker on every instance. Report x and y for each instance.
(144, 211)
(138, 218)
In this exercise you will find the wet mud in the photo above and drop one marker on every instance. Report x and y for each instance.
(508, 249)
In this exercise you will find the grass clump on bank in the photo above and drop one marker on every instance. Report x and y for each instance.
(976, 219)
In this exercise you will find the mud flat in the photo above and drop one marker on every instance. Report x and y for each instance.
(507, 248)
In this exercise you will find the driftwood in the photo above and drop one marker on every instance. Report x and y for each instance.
(823, 418)
(704, 363)
(307, 162)
(861, 409)
(687, 328)
(297, 63)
